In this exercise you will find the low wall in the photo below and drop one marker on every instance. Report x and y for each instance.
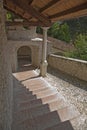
(74, 67)
(21, 34)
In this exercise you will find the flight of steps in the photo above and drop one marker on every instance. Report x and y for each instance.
(39, 106)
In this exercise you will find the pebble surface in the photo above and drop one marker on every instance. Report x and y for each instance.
(73, 90)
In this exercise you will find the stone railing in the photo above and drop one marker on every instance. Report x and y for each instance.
(58, 44)
(74, 67)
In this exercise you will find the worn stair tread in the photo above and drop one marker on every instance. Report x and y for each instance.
(23, 76)
(53, 105)
(36, 96)
(66, 125)
(50, 121)
(68, 113)
(62, 114)
(32, 88)
(34, 81)
(39, 102)
(39, 110)
(46, 93)
(41, 122)
(40, 90)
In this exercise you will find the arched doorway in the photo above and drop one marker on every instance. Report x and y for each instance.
(24, 57)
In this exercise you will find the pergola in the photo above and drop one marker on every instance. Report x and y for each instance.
(44, 13)
(34, 13)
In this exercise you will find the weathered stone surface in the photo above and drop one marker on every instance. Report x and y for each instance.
(5, 77)
(76, 68)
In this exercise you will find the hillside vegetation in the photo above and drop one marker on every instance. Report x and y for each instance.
(72, 31)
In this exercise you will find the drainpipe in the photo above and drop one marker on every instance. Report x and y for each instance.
(43, 65)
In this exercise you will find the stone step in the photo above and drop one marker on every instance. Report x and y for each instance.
(25, 75)
(46, 93)
(35, 81)
(66, 125)
(30, 88)
(42, 94)
(38, 106)
(40, 102)
(48, 120)
(27, 91)
(64, 114)
(39, 110)
(40, 123)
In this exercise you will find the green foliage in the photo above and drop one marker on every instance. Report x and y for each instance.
(64, 33)
(39, 30)
(60, 31)
(74, 30)
(77, 26)
(9, 16)
(80, 51)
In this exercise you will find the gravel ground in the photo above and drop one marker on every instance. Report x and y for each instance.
(74, 91)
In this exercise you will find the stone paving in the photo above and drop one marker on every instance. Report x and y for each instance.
(74, 91)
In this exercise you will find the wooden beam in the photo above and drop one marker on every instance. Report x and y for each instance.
(25, 23)
(70, 16)
(29, 9)
(30, 2)
(51, 3)
(12, 8)
(47, 6)
(69, 11)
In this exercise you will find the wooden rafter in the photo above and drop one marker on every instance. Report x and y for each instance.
(30, 2)
(48, 5)
(13, 9)
(69, 11)
(25, 23)
(34, 13)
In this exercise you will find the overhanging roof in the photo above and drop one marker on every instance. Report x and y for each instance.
(46, 12)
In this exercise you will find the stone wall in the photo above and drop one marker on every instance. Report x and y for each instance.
(74, 67)
(19, 33)
(6, 86)
(35, 47)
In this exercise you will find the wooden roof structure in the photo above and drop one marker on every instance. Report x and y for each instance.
(46, 12)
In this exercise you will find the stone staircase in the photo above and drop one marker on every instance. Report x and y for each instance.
(39, 106)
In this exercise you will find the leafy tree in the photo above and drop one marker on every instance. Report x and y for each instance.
(80, 51)
(60, 31)
(64, 33)
(77, 26)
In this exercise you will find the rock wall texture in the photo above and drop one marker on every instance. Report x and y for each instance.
(6, 91)
(77, 68)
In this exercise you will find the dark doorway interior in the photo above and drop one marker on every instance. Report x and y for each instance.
(24, 58)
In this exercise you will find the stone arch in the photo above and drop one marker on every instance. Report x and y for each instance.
(24, 57)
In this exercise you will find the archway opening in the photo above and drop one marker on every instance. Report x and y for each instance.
(24, 57)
